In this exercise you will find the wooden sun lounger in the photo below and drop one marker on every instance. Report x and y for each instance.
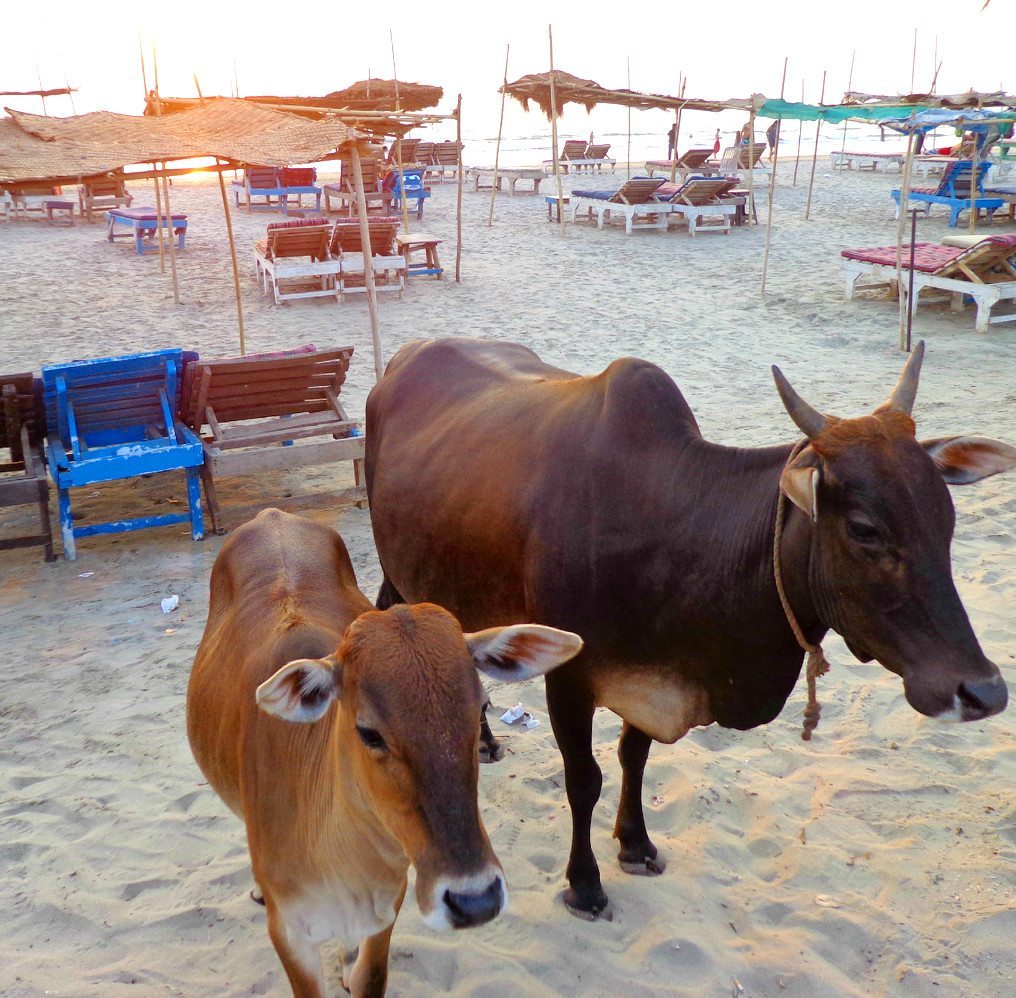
(293, 259)
(1007, 194)
(346, 248)
(693, 161)
(634, 201)
(985, 271)
(958, 190)
(27, 199)
(101, 193)
(23, 480)
(371, 166)
(866, 160)
(739, 158)
(701, 198)
(573, 149)
(144, 224)
(346, 204)
(445, 160)
(483, 178)
(270, 182)
(272, 414)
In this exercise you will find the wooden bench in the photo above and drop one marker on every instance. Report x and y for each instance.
(409, 243)
(255, 409)
(23, 479)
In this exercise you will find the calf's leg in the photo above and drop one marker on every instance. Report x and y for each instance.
(571, 709)
(638, 855)
(370, 971)
(387, 595)
(299, 954)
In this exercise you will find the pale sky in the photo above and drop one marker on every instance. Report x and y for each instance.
(727, 49)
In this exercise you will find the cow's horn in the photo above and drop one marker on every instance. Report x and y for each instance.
(809, 421)
(902, 397)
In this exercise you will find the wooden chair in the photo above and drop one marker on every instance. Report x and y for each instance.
(115, 418)
(293, 259)
(255, 409)
(389, 264)
(371, 166)
(23, 480)
(101, 193)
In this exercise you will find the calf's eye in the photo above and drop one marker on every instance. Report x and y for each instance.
(371, 738)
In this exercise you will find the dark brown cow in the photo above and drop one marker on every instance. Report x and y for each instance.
(381, 774)
(505, 489)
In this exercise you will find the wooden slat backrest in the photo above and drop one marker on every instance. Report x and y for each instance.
(261, 176)
(304, 240)
(425, 153)
(372, 167)
(573, 149)
(704, 190)
(694, 157)
(991, 260)
(447, 153)
(598, 151)
(638, 191)
(255, 388)
(105, 188)
(346, 237)
(35, 190)
(111, 392)
(23, 412)
(409, 148)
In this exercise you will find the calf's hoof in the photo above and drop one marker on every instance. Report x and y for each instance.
(256, 896)
(589, 909)
(642, 862)
(491, 751)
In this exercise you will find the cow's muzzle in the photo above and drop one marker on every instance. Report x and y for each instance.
(466, 902)
(969, 700)
(984, 699)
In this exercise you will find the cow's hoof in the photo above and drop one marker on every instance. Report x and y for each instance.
(492, 751)
(256, 896)
(596, 911)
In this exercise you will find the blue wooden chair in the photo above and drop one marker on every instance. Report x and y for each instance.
(114, 418)
(958, 190)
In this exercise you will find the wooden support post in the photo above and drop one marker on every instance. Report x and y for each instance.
(398, 141)
(908, 166)
(913, 63)
(497, 148)
(850, 83)
(677, 122)
(772, 184)
(553, 134)
(158, 220)
(169, 233)
(814, 155)
(232, 256)
(458, 193)
(751, 165)
(974, 165)
(368, 261)
(800, 135)
(629, 120)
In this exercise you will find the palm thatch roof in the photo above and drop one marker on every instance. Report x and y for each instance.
(570, 89)
(34, 147)
(956, 102)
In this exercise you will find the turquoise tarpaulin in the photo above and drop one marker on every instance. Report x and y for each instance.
(814, 112)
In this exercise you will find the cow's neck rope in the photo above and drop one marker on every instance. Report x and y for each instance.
(818, 664)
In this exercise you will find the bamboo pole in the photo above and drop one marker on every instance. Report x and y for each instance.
(850, 83)
(38, 73)
(70, 93)
(553, 133)
(908, 166)
(158, 218)
(165, 190)
(629, 60)
(814, 155)
(800, 135)
(772, 183)
(913, 63)
(974, 163)
(677, 122)
(458, 194)
(398, 140)
(497, 148)
(751, 164)
(232, 257)
(368, 260)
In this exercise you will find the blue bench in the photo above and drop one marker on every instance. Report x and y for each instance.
(114, 418)
(958, 190)
(143, 223)
(415, 190)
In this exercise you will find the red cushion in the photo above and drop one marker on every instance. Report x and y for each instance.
(928, 257)
(297, 223)
(298, 176)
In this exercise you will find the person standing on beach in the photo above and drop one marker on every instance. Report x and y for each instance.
(672, 142)
(716, 144)
(773, 137)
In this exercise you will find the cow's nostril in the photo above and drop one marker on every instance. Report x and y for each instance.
(469, 909)
(980, 700)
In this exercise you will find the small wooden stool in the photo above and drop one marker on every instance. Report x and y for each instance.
(410, 243)
(65, 208)
(551, 200)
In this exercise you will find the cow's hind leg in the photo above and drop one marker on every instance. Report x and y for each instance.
(571, 709)
(490, 747)
(638, 855)
(369, 976)
(387, 595)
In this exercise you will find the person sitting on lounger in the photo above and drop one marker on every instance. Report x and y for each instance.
(745, 136)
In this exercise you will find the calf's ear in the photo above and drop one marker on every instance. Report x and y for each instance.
(302, 690)
(965, 460)
(518, 652)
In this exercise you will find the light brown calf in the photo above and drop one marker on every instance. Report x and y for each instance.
(381, 773)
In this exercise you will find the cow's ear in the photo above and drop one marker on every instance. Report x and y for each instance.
(799, 482)
(518, 652)
(302, 690)
(965, 460)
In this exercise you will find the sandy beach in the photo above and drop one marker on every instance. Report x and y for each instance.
(880, 859)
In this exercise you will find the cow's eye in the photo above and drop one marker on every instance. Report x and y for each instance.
(371, 738)
(863, 531)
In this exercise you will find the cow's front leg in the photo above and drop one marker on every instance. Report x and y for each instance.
(571, 709)
(298, 950)
(490, 748)
(638, 855)
(369, 977)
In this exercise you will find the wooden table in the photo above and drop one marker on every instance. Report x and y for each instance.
(347, 200)
(59, 212)
(552, 203)
(512, 174)
(409, 243)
